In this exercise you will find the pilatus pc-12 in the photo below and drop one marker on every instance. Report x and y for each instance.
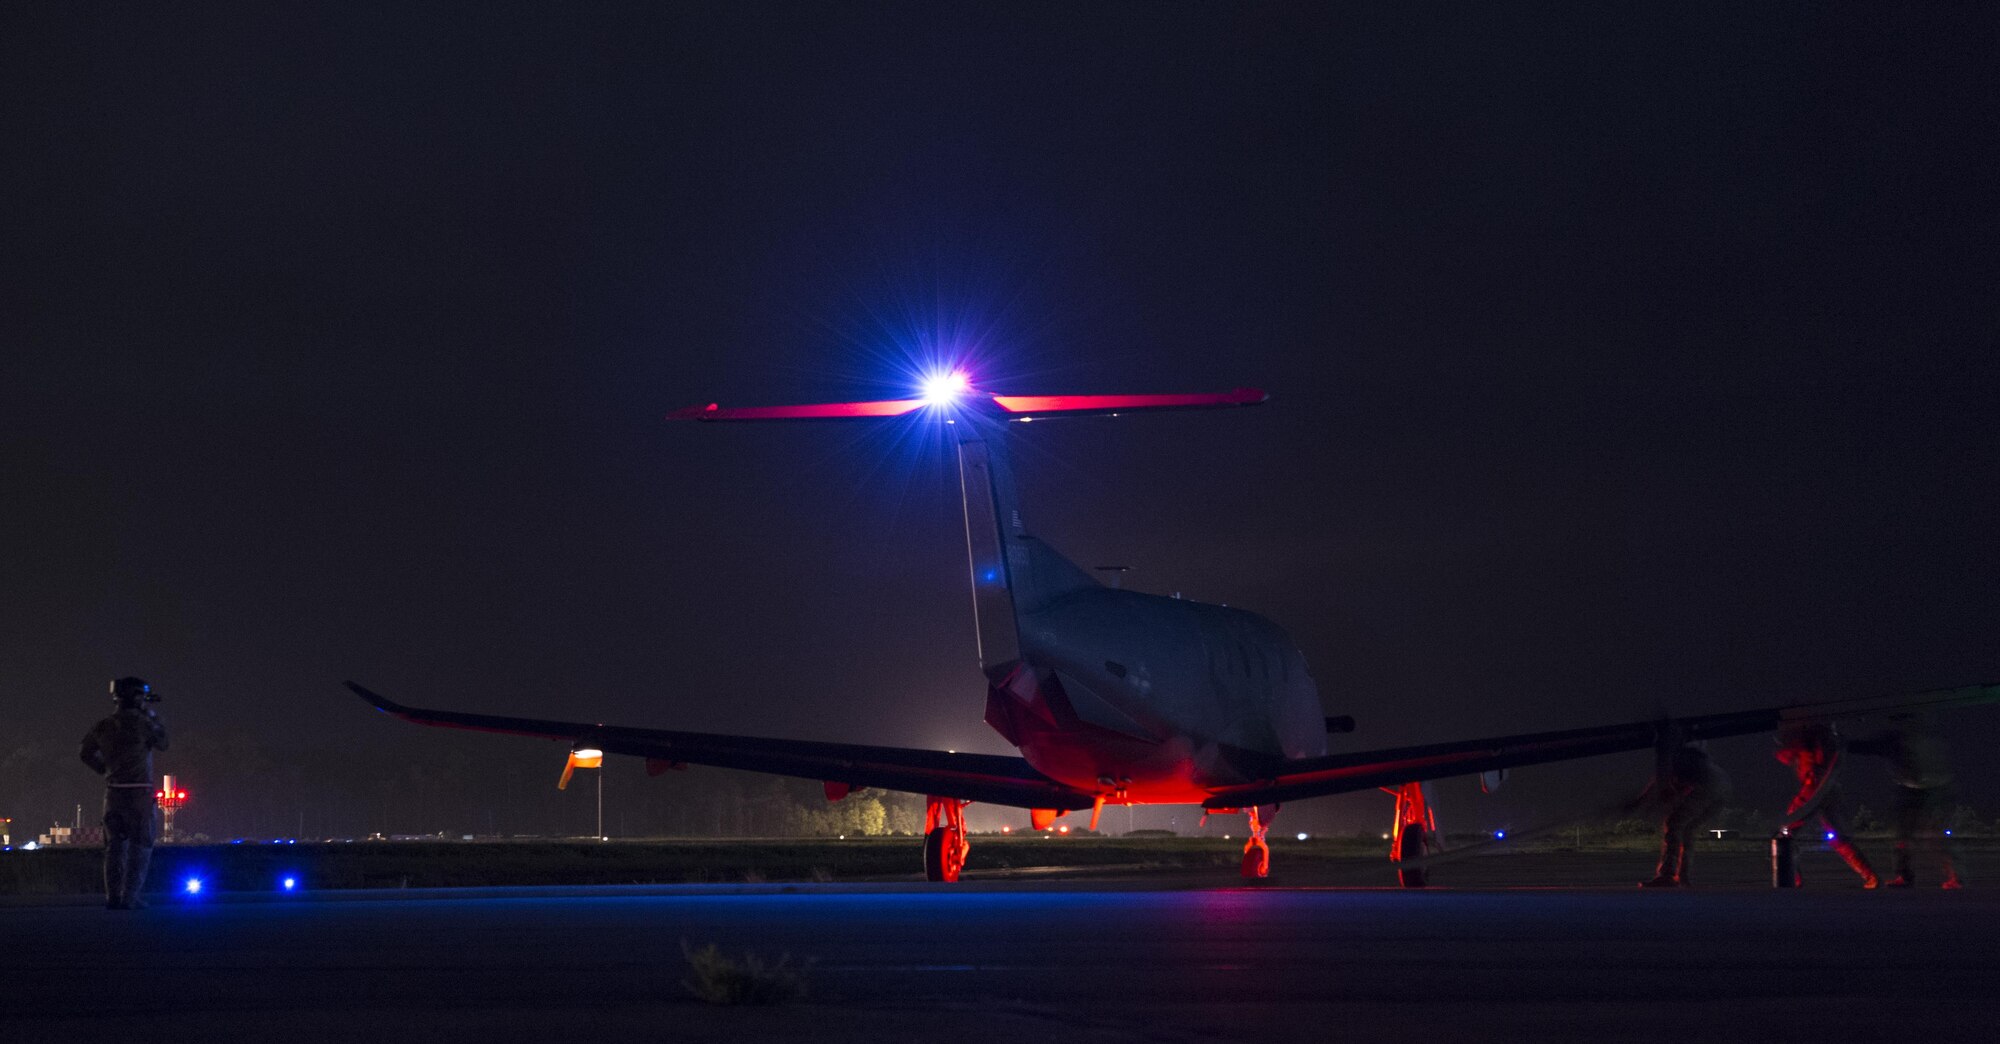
(1115, 696)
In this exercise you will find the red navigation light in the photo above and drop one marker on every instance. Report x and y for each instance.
(180, 795)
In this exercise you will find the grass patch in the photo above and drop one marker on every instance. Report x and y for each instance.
(720, 979)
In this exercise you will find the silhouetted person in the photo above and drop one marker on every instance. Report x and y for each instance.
(1690, 787)
(1814, 752)
(120, 748)
(1924, 793)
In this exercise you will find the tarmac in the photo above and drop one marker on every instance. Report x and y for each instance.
(1120, 956)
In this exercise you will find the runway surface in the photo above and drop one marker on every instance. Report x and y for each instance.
(1132, 958)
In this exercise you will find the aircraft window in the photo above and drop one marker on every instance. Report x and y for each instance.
(1117, 669)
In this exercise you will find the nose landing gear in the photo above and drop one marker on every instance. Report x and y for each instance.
(945, 844)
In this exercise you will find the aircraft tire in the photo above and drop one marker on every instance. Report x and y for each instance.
(1256, 861)
(941, 855)
(1412, 849)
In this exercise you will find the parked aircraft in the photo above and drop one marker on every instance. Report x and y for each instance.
(1120, 697)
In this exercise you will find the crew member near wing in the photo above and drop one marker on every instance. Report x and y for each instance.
(1690, 787)
(1813, 751)
(1924, 793)
(120, 748)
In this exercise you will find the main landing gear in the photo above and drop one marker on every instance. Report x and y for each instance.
(945, 844)
(1256, 851)
(1415, 826)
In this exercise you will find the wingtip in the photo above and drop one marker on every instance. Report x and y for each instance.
(703, 412)
(376, 700)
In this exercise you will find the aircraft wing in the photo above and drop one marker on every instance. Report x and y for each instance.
(988, 778)
(1366, 770)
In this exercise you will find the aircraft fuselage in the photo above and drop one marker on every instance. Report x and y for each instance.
(1154, 699)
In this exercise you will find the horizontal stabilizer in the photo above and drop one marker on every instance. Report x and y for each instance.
(1000, 407)
(1086, 405)
(809, 411)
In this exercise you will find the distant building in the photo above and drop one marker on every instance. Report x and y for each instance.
(62, 835)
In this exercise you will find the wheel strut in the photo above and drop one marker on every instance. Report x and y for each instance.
(945, 843)
(1416, 824)
(1256, 851)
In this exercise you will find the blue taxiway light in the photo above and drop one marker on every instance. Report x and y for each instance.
(193, 886)
(1829, 835)
(1499, 835)
(290, 883)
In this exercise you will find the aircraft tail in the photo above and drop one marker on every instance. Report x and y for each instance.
(1013, 573)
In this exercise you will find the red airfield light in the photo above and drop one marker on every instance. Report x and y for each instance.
(169, 796)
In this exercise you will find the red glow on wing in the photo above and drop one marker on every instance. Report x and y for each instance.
(810, 411)
(1106, 403)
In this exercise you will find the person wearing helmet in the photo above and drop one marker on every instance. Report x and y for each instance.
(1924, 794)
(1813, 752)
(1690, 787)
(120, 748)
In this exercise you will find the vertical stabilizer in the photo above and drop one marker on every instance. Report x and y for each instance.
(1013, 572)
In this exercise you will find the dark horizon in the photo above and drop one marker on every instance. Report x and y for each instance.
(1622, 362)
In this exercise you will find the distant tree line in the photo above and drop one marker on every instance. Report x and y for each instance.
(240, 787)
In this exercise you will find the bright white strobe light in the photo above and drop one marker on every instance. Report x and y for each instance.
(942, 389)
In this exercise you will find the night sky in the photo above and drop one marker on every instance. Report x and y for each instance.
(1620, 362)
